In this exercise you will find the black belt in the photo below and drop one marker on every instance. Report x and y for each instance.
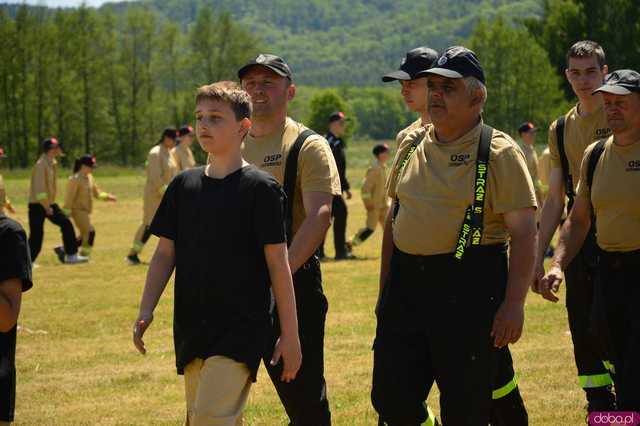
(471, 253)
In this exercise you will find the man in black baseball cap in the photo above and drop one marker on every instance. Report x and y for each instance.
(273, 62)
(621, 82)
(183, 154)
(457, 62)
(414, 87)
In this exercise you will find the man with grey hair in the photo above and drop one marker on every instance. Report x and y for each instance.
(451, 300)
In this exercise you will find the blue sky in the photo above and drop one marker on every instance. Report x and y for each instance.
(58, 3)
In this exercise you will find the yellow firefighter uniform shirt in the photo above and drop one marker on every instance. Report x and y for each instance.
(579, 133)
(80, 192)
(436, 185)
(317, 171)
(531, 157)
(374, 186)
(615, 195)
(184, 157)
(407, 130)
(161, 168)
(544, 168)
(43, 181)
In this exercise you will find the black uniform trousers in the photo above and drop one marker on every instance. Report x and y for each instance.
(305, 398)
(37, 215)
(617, 298)
(592, 374)
(434, 323)
(339, 213)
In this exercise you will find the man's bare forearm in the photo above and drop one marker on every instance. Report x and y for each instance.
(549, 220)
(160, 270)
(521, 265)
(308, 238)
(572, 236)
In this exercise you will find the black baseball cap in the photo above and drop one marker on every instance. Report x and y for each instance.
(380, 148)
(336, 116)
(51, 143)
(620, 82)
(527, 127)
(88, 160)
(457, 62)
(185, 130)
(169, 132)
(416, 60)
(273, 62)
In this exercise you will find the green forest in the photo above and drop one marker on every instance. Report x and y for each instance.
(108, 80)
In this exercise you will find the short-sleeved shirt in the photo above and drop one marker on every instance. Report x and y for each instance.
(615, 195)
(436, 185)
(15, 262)
(184, 157)
(161, 168)
(407, 130)
(317, 171)
(338, 146)
(43, 180)
(579, 133)
(544, 167)
(219, 228)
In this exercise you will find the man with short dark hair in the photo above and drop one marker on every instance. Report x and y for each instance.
(450, 225)
(339, 210)
(527, 132)
(609, 192)
(303, 163)
(569, 136)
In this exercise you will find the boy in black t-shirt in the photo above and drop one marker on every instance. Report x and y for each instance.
(222, 228)
(15, 278)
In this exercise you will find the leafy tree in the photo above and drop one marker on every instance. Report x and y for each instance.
(322, 105)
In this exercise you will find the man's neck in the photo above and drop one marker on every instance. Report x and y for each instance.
(589, 105)
(264, 126)
(425, 118)
(51, 157)
(455, 132)
(628, 137)
(225, 164)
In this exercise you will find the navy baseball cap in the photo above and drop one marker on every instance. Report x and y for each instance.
(380, 148)
(51, 143)
(336, 116)
(416, 60)
(527, 127)
(169, 132)
(273, 62)
(457, 62)
(88, 160)
(621, 82)
(185, 130)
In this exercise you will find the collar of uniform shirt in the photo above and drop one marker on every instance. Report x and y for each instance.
(473, 134)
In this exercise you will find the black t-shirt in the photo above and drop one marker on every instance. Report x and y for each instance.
(337, 148)
(15, 262)
(219, 228)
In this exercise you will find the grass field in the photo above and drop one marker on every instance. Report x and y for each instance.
(77, 365)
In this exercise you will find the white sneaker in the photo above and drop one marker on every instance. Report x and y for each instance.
(75, 258)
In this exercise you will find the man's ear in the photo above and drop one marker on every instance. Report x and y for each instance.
(605, 70)
(291, 92)
(245, 125)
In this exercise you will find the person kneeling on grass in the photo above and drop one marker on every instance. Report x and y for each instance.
(222, 228)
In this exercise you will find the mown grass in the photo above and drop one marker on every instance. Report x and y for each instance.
(77, 366)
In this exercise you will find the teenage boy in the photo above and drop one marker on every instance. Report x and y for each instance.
(374, 194)
(569, 136)
(222, 228)
(15, 278)
(42, 205)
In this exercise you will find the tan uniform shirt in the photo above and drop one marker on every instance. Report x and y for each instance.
(579, 133)
(317, 170)
(161, 168)
(374, 186)
(43, 180)
(184, 157)
(615, 195)
(544, 168)
(436, 186)
(407, 130)
(81, 189)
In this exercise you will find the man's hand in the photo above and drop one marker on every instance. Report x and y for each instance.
(139, 327)
(537, 277)
(508, 323)
(550, 284)
(348, 193)
(10, 209)
(289, 350)
(112, 198)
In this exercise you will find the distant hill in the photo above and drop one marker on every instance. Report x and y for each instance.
(350, 42)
